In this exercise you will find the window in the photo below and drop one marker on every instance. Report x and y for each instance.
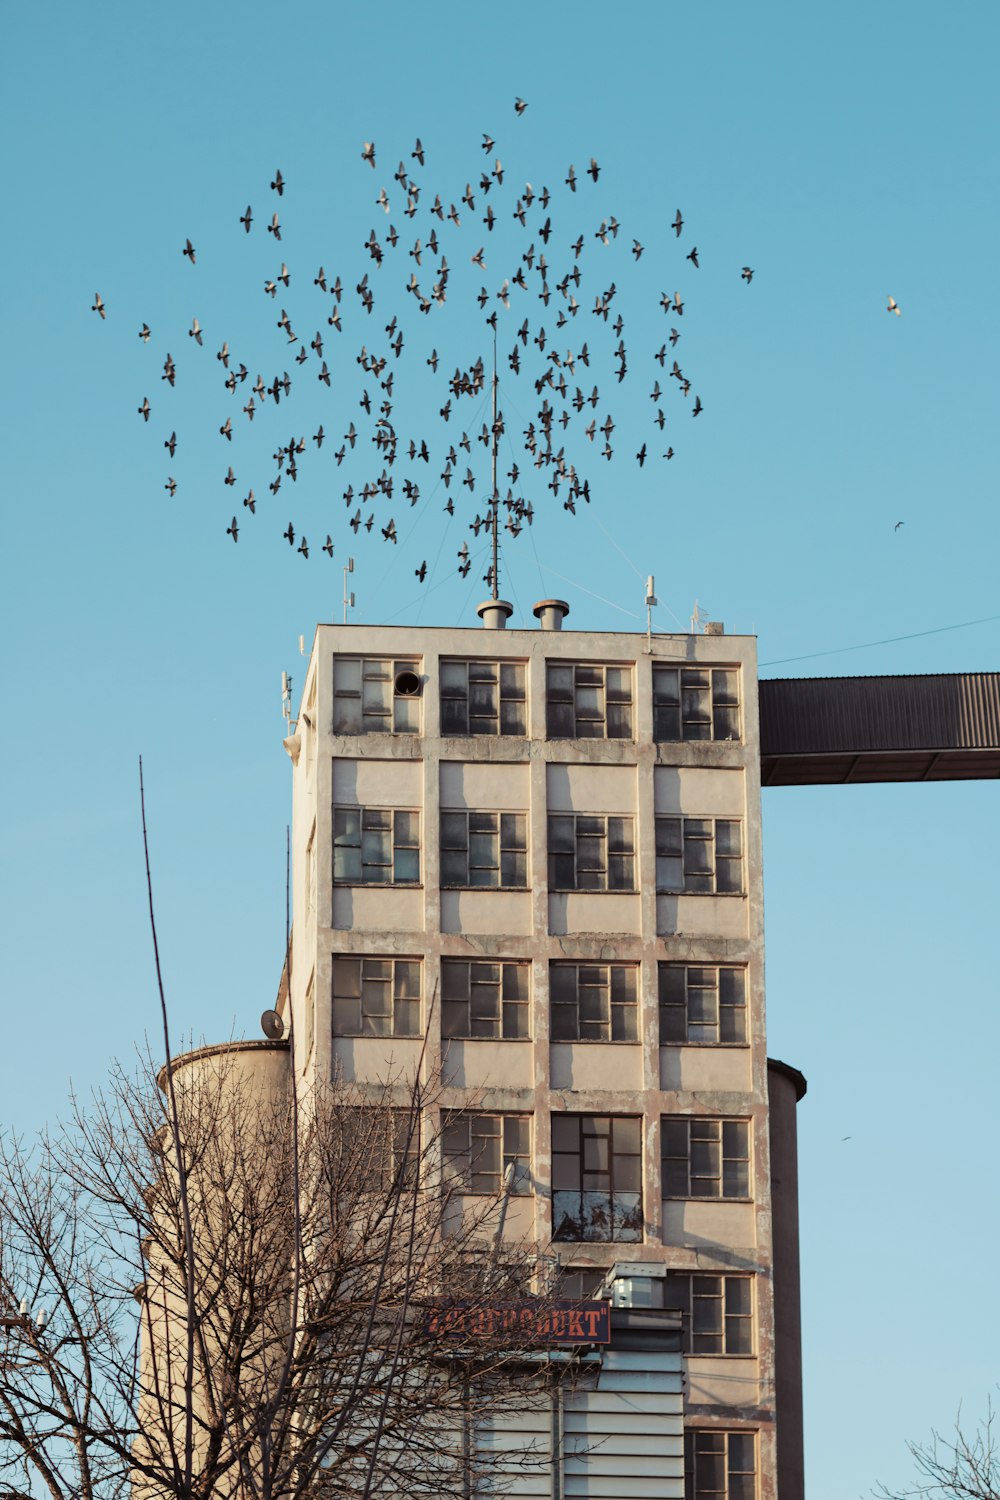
(365, 700)
(696, 703)
(376, 997)
(587, 701)
(483, 697)
(379, 1148)
(702, 1003)
(484, 999)
(581, 1283)
(479, 1149)
(717, 1312)
(597, 1177)
(590, 852)
(484, 849)
(594, 1002)
(705, 1158)
(376, 846)
(700, 856)
(719, 1465)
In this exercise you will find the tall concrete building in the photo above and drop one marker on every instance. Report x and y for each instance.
(529, 862)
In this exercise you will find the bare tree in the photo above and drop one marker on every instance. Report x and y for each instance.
(217, 1290)
(965, 1466)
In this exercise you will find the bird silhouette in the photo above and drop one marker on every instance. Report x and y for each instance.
(233, 530)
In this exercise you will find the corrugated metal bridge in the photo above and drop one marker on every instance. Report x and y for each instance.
(829, 730)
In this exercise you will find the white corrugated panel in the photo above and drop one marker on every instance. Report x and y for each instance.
(625, 1440)
(516, 1448)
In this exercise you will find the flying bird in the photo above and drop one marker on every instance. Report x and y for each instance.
(303, 547)
(246, 219)
(421, 572)
(194, 332)
(278, 184)
(418, 152)
(368, 153)
(898, 525)
(747, 274)
(144, 409)
(692, 256)
(144, 333)
(678, 224)
(230, 476)
(289, 535)
(250, 503)
(233, 530)
(171, 444)
(328, 545)
(519, 106)
(274, 227)
(697, 406)
(98, 306)
(188, 251)
(893, 306)
(171, 487)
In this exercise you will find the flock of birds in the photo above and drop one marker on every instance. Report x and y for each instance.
(569, 385)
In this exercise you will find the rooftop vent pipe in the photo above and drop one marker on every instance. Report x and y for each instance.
(495, 613)
(550, 613)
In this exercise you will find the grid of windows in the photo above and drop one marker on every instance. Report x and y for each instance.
(588, 701)
(696, 703)
(597, 1177)
(376, 846)
(705, 1158)
(719, 1465)
(483, 697)
(480, 1149)
(594, 1002)
(591, 852)
(702, 1004)
(480, 999)
(484, 849)
(376, 997)
(716, 1312)
(365, 700)
(699, 856)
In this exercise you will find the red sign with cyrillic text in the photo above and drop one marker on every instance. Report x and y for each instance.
(530, 1322)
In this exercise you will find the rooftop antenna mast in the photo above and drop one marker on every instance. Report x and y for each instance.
(496, 495)
(348, 598)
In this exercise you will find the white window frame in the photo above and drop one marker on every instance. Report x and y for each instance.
(694, 856)
(723, 1333)
(400, 845)
(696, 704)
(479, 1146)
(591, 854)
(600, 709)
(712, 1146)
(381, 710)
(388, 998)
(601, 1010)
(492, 693)
(709, 1000)
(712, 1443)
(485, 846)
(493, 1012)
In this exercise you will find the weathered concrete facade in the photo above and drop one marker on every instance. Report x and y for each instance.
(720, 1233)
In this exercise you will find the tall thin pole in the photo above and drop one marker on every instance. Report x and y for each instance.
(496, 497)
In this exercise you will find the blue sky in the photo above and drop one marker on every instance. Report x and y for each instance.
(846, 153)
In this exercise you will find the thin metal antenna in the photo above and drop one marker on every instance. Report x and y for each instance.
(348, 598)
(496, 496)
